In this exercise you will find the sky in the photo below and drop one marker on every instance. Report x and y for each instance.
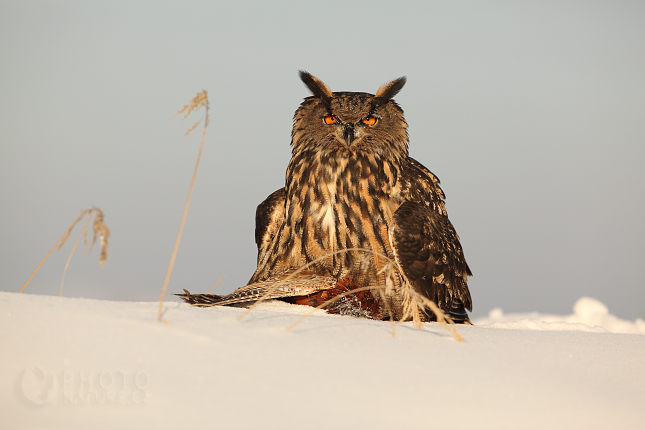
(532, 114)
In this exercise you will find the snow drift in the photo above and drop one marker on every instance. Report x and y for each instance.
(77, 364)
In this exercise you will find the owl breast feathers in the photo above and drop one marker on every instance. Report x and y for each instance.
(357, 209)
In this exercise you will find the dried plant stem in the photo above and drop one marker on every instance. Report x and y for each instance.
(99, 229)
(216, 284)
(181, 230)
(83, 230)
(200, 100)
(442, 318)
(41, 263)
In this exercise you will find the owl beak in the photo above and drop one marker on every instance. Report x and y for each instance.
(349, 134)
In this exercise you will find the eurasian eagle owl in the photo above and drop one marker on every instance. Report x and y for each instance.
(356, 207)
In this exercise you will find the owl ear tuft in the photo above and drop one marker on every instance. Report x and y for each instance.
(389, 90)
(316, 86)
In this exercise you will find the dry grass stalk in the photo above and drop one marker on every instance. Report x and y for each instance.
(446, 322)
(199, 101)
(216, 284)
(100, 229)
(69, 259)
(413, 302)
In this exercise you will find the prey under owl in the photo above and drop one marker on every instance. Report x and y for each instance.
(360, 226)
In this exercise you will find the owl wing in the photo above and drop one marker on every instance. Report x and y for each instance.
(269, 216)
(426, 245)
(268, 220)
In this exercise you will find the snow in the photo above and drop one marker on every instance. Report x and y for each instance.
(588, 315)
(72, 363)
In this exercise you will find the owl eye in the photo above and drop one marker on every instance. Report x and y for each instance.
(331, 119)
(369, 120)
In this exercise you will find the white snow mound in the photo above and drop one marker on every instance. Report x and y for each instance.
(589, 315)
(70, 363)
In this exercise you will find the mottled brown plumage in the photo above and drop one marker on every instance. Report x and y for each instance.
(351, 184)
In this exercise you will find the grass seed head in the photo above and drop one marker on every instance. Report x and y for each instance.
(199, 101)
(99, 227)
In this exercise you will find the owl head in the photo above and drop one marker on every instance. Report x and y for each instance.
(350, 123)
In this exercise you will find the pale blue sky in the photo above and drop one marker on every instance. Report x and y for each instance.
(531, 113)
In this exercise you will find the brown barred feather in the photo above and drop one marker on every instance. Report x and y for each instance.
(285, 285)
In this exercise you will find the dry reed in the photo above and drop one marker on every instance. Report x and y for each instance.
(199, 101)
(100, 230)
(216, 284)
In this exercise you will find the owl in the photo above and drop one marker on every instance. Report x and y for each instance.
(358, 218)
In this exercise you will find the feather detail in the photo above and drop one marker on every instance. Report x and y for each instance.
(389, 90)
(316, 86)
(302, 284)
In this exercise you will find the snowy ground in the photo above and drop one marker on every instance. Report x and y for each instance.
(80, 364)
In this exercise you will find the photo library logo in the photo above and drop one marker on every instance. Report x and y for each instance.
(41, 386)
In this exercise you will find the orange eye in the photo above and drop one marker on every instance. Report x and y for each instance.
(369, 120)
(331, 119)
